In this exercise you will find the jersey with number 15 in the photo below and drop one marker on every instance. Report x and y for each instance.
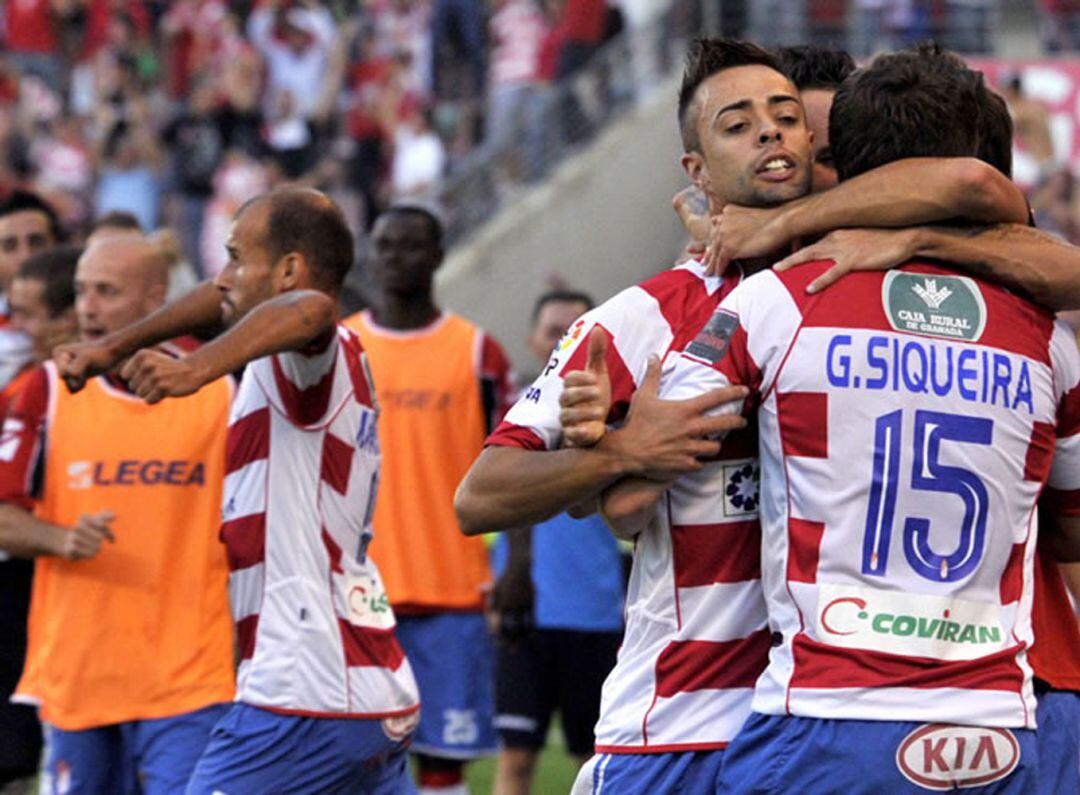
(909, 423)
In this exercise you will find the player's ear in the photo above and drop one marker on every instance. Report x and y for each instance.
(291, 272)
(694, 165)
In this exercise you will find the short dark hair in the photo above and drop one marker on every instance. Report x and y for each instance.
(55, 269)
(308, 222)
(811, 67)
(117, 219)
(705, 58)
(996, 133)
(922, 102)
(561, 296)
(418, 210)
(19, 201)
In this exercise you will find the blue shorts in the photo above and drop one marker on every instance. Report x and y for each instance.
(1058, 716)
(253, 750)
(649, 774)
(148, 756)
(778, 753)
(453, 660)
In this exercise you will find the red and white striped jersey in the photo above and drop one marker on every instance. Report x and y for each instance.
(908, 422)
(315, 629)
(696, 637)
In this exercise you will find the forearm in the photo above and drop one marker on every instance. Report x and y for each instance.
(508, 486)
(23, 535)
(197, 310)
(1033, 262)
(908, 193)
(289, 322)
(630, 504)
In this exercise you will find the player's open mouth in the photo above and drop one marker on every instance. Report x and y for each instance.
(94, 333)
(777, 168)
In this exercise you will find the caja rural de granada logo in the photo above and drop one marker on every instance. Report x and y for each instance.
(939, 306)
(911, 624)
(942, 757)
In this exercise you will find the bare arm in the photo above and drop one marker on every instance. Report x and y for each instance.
(1032, 262)
(198, 309)
(903, 193)
(288, 322)
(628, 505)
(23, 535)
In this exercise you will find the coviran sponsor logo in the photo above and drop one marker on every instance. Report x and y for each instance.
(904, 625)
(134, 472)
(918, 625)
(942, 757)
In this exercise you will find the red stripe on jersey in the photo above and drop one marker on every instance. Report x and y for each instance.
(804, 423)
(304, 406)
(337, 458)
(246, 630)
(354, 351)
(1067, 503)
(510, 435)
(622, 382)
(689, 665)
(683, 300)
(1040, 452)
(1055, 657)
(1069, 413)
(818, 665)
(738, 365)
(333, 550)
(248, 440)
(804, 547)
(365, 646)
(1012, 579)
(244, 540)
(709, 553)
(495, 369)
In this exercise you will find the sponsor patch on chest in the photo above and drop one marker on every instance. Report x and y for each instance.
(936, 305)
(943, 757)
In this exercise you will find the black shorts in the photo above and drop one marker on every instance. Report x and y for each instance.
(552, 669)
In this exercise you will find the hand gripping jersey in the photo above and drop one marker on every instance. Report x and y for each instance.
(141, 630)
(908, 422)
(696, 636)
(314, 627)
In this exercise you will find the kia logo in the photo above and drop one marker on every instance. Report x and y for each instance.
(943, 757)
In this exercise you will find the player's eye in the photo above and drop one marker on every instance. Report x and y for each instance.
(9, 244)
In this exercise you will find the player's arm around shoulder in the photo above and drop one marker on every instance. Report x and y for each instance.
(288, 322)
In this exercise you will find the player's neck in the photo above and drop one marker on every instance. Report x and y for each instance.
(405, 312)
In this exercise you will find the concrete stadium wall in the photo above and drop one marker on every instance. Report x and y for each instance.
(602, 221)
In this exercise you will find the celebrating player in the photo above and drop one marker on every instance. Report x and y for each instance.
(902, 643)
(326, 698)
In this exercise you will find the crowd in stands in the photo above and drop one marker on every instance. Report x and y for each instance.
(177, 112)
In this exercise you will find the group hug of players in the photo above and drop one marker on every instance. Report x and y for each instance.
(835, 492)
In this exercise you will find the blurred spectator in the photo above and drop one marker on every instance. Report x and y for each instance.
(517, 32)
(776, 22)
(129, 161)
(969, 26)
(877, 25)
(419, 156)
(195, 32)
(403, 31)
(289, 136)
(1032, 142)
(1056, 205)
(31, 40)
(1059, 25)
(296, 42)
(196, 140)
(65, 168)
(458, 63)
(241, 177)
